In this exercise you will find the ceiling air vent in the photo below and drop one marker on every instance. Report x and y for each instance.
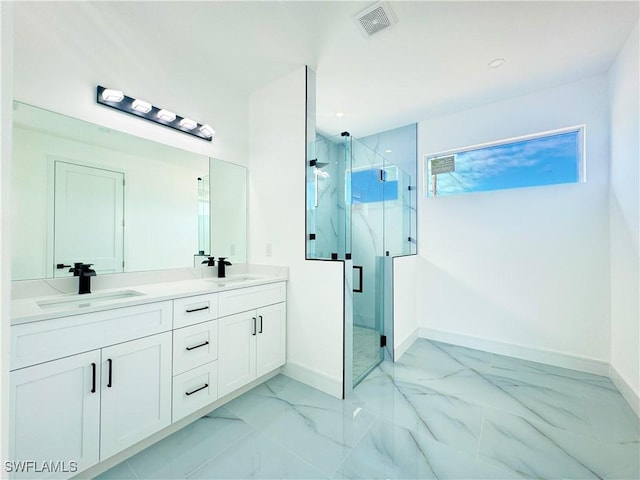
(376, 18)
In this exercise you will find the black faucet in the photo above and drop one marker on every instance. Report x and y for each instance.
(222, 262)
(84, 272)
(210, 263)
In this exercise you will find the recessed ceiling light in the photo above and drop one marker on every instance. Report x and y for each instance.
(339, 114)
(498, 62)
(388, 151)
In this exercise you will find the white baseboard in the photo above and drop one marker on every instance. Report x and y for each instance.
(313, 378)
(549, 357)
(625, 389)
(401, 348)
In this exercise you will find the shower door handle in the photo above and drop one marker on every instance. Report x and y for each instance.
(359, 289)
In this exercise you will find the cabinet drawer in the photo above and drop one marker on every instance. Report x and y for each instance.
(194, 346)
(192, 310)
(39, 342)
(194, 389)
(244, 299)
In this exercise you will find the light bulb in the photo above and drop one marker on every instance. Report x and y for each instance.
(188, 123)
(166, 115)
(207, 130)
(110, 95)
(141, 106)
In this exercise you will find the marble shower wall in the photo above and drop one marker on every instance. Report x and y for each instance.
(328, 220)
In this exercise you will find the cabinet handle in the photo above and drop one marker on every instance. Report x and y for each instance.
(110, 362)
(93, 381)
(197, 309)
(260, 317)
(254, 326)
(197, 389)
(198, 346)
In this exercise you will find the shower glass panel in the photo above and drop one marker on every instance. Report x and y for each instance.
(367, 193)
(397, 220)
(328, 221)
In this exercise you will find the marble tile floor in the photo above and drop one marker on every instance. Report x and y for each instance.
(366, 349)
(442, 411)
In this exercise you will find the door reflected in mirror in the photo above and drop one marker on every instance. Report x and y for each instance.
(81, 192)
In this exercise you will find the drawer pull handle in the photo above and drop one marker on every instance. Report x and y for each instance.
(93, 381)
(198, 346)
(110, 362)
(253, 332)
(197, 389)
(197, 309)
(260, 317)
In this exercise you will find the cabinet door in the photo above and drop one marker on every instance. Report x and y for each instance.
(55, 413)
(236, 351)
(136, 391)
(271, 345)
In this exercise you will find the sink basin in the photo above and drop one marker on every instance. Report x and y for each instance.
(227, 280)
(86, 300)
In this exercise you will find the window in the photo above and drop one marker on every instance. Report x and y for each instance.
(542, 159)
(372, 185)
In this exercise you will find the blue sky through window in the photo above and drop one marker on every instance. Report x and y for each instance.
(544, 160)
(364, 186)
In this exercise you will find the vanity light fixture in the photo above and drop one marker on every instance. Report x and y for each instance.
(141, 106)
(188, 123)
(207, 131)
(111, 95)
(133, 106)
(166, 115)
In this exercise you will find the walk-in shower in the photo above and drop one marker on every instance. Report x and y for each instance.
(359, 209)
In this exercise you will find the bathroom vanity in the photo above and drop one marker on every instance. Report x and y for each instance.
(92, 375)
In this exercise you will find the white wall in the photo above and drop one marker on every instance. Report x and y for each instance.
(63, 50)
(277, 234)
(522, 271)
(405, 302)
(6, 100)
(624, 218)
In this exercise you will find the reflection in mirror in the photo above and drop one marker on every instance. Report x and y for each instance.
(204, 242)
(81, 192)
(228, 211)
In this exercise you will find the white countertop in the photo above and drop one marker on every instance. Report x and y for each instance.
(30, 310)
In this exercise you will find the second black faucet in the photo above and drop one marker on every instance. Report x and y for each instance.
(222, 263)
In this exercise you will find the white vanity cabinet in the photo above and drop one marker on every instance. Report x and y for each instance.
(251, 342)
(195, 353)
(85, 387)
(89, 405)
(135, 393)
(55, 412)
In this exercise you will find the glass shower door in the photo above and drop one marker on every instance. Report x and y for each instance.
(366, 195)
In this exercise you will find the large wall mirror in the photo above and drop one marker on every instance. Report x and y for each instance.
(84, 193)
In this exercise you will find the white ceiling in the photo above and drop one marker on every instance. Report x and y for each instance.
(433, 62)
